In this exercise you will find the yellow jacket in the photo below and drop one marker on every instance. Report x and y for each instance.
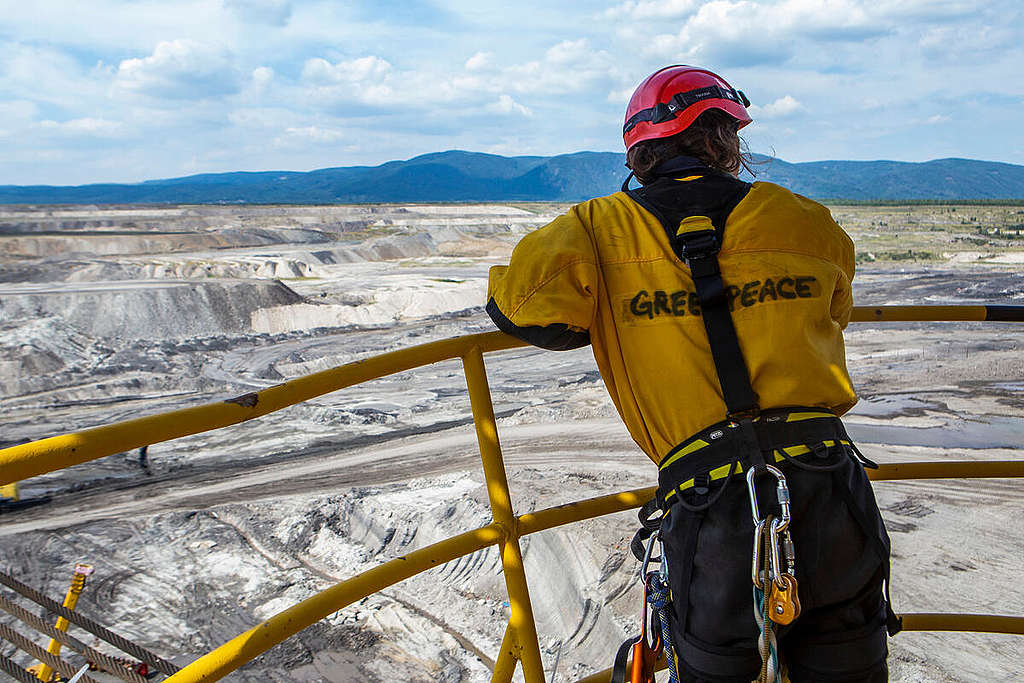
(606, 270)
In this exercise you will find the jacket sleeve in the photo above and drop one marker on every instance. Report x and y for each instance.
(546, 296)
(842, 298)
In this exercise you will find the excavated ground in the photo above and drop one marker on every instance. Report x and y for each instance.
(106, 314)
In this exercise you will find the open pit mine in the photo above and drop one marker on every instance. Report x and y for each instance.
(110, 313)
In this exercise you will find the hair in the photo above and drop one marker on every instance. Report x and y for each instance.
(712, 138)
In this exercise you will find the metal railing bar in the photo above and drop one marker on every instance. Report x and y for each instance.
(549, 518)
(979, 623)
(55, 453)
(976, 623)
(956, 469)
(47, 455)
(520, 641)
(948, 313)
(522, 626)
(541, 520)
(577, 511)
(505, 666)
(243, 648)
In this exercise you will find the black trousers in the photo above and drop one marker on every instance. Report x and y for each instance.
(842, 552)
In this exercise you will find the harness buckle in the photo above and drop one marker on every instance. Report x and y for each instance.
(745, 414)
(698, 244)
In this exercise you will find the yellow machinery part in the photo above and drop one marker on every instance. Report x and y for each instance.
(9, 491)
(81, 572)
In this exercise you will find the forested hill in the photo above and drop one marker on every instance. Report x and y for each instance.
(470, 176)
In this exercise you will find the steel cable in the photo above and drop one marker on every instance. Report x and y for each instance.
(123, 644)
(109, 664)
(16, 672)
(52, 661)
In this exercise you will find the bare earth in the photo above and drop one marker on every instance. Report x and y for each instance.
(106, 314)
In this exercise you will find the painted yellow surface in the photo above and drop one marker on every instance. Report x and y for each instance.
(9, 491)
(82, 571)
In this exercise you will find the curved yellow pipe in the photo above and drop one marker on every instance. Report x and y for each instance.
(55, 453)
(244, 648)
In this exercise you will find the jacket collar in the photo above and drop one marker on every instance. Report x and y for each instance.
(681, 165)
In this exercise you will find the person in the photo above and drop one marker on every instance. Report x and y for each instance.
(715, 309)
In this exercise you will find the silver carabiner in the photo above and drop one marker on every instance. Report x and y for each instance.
(757, 563)
(781, 493)
(647, 557)
(773, 537)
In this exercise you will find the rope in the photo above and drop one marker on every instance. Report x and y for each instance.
(659, 595)
(52, 661)
(107, 663)
(123, 644)
(15, 671)
(766, 643)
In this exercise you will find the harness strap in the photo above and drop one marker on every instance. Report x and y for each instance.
(732, 447)
(697, 242)
(893, 622)
(622, 659)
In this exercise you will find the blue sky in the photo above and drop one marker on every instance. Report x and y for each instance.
(127, 90)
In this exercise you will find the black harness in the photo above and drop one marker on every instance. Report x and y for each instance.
(694, 218)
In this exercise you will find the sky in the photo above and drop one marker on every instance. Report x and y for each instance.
(129, 90)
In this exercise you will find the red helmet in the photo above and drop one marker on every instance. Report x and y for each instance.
(670, 99)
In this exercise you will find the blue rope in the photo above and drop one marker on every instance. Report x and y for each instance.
(659, 596)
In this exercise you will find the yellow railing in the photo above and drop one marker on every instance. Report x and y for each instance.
(520, 643)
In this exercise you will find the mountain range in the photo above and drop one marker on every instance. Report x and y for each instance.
(459, 176)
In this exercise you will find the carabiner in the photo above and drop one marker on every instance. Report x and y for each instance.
(773, 537)
(781, 493)
(647, 557)
(758, 558)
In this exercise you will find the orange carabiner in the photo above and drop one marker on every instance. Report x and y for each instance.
(645, 655)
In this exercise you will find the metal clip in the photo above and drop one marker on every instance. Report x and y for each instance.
(789, 552)
(781, 493)
(647, 557)
(773, 536)
(758, 558)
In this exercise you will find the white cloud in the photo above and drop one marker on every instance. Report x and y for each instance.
(305, 135)
(570, 66)
(261, 81)
(507, 105)
(780, 108)
(321, 72)
(180, 69)
(481, 60)
(569, 52)
(364, 80)
(262, 76)
(747, 33)
(936, 119)
(110, 76)
(620, 96)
